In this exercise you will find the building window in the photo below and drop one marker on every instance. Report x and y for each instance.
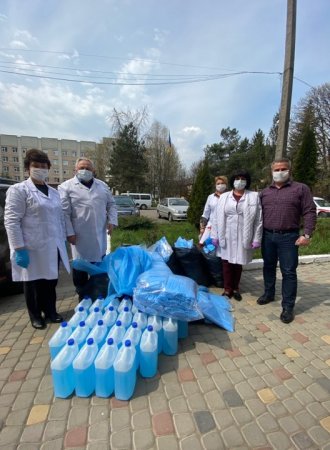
(74, 154)
(56, 172)
(82, 154)
(5, 158)
(15, 159)
(4, 149)
(14, 149)
(55, 161)
(56, 180)
(55, 152)
(45, 151)
(65, 163)
(5, 168)
(16, 169)
(16, 177)
(24, 149)
(65, 172)
(64, 153)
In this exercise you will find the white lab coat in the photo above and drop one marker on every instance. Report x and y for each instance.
(35, 221)
(87, 212)
(237, 225)
(210, 207)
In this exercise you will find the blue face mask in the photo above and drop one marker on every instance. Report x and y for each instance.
(84, 175)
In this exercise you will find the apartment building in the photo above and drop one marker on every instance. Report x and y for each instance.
(62, 153)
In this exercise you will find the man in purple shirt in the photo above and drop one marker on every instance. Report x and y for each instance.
(284, 203)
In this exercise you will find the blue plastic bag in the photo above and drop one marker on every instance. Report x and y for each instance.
(163, 248)
(217, 309)
(183, 243)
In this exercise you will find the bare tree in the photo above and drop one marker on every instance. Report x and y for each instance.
(139, 118)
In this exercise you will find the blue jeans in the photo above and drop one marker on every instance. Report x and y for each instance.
(276, 246)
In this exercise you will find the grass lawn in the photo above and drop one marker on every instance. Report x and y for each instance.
(143, 231)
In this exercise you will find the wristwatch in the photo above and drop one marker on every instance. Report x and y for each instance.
(307, 236)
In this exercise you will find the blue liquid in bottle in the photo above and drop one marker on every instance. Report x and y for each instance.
(104, 371)
(110, 316)
(126, 302)
(99, 303)
(170, 339)
(59, 339)
(157, 324)
(117, 333)
(78, 316)
(93, 317)
(182, 329)
(141, 319)
(134, 335)
(84, 370)
(80, 334)
(125, 373)
(125, 316)
(98, 333)
(86, 303)
(62, 370)
(149, 353)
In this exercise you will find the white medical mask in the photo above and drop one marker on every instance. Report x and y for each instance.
(39, 174)
(84, 175)
(239, 184)
(221, 187)
(281, 176)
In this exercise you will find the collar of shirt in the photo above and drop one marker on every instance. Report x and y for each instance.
(288, 183)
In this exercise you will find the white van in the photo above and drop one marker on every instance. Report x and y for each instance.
(322, 207)
(143, 201)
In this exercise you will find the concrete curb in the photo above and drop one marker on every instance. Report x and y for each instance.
(308, 259)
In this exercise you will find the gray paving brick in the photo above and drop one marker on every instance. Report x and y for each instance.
(191, 443)
(289, 425)
(56, 444)
(167, 443)
(232, 437)
(119, 418)
(10, 435)
(241, 415)
(78, 416)
(33, 433)
(303, 441)
(121, 439)
(204, 421)
(143, 439)
(178, 405)
(213, 441)
(214, 400)
(54, 429)
(319, 435)
(279, 441)
(99, 431)
(184, 424)
(232, 398)
(305, 419)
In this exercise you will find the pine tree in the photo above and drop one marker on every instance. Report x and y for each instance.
(305, 162)
(128, 167)
(202, 187)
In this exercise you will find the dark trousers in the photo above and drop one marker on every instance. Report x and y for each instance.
(231, 276)
(80, 280)
(281, 247)
(40, 296)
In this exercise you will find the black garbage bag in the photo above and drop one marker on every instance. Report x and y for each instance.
(174, 264)
(191, 262)
(95, 286)
(213, 266)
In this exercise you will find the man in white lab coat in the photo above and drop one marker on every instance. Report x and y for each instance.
(90, 213)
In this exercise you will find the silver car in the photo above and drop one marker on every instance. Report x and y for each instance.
(173, 208)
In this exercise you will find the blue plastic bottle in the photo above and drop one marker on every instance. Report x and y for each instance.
(104, 372)
(93, 317)
(170, 337)
(141, 319)
(117, 333)
(86, 303)
(99, 303)
(125, 373)
(84, 370)
(134, 335)
(125, 316)
(157, 324)
(149, 353)
(77, 317)
(182, 329)
(80, 334)
(110, 316)
(112, 300)
(98, 333)
(59, 339)
(126, 302)
(134, 309)
(62, 370)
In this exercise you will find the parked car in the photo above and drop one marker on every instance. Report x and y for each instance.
(7, 286)
(143, 201)
(322, 207)
(126, 206)
(173, 208)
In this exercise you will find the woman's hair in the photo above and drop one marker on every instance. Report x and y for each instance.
(34, 155)
(240, 173)
(221, 177)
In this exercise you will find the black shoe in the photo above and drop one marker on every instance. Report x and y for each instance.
(39, 324)
(237, 296)
(55, 318)
(287, 315)
(264, 300)
(226, 294)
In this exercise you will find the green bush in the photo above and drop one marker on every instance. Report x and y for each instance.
(135, 223)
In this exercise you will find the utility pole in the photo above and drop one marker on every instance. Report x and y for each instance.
(284, 119)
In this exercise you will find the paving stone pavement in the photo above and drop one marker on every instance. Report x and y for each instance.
(265, 386)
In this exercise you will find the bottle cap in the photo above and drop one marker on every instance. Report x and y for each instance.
(110, 341)
(90, 341)
(118, 323)
(86, 297)
(126, 309)
(100, 297)
(150, 328)
(127, 343)
(100, 322)
(81, 308)
(82, 323)
(134, 325)
(111, 308)
(96, 309)
(70, 342)
(64, 324)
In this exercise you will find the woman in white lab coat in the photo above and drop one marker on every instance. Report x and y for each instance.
(35, 227)
(237, 230)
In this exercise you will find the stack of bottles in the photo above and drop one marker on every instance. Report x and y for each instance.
(105, 344)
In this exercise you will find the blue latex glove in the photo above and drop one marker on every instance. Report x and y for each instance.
(22, 258)
(215, 242)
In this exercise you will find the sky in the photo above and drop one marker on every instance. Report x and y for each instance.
(178, 58)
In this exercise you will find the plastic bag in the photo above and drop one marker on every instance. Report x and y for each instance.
(213, 266)
(91, 268)
(183, 243)
(163, 248)
(191, 261)
(217, 309)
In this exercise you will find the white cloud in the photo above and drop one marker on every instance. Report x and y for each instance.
(17, 44)
(192, 130)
